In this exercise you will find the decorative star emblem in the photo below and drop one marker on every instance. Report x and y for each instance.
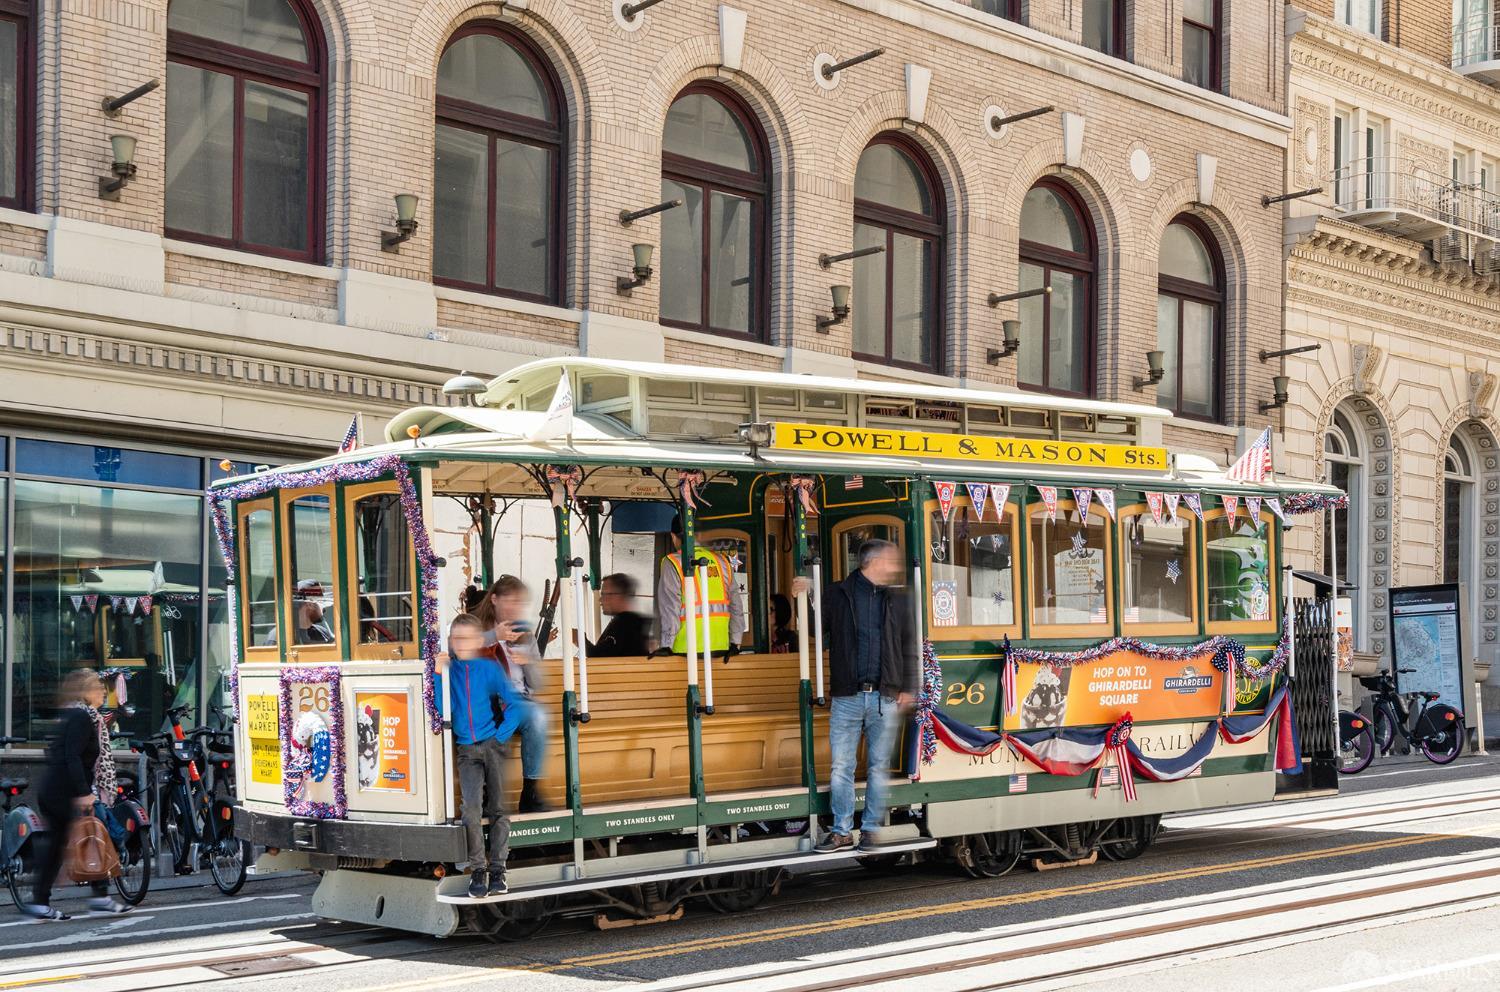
(1080, 544)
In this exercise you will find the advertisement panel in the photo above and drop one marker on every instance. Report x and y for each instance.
(383, 740)
(262, 726)
(1426, 648)
(1100, 692)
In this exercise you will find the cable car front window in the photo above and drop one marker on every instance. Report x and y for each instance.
(385, 570)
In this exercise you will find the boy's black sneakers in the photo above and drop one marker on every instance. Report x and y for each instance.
(477, 887)
(497, 884)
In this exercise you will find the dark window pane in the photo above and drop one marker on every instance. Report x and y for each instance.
(682, 254)
(1067, 332)
(1031, 359)
(461, 190)
(887, 176)
(485, 69)
(1453, 505)
(86, 558)
(523, 217)
(1199, 378)
(731, 263)
(1048, 219)
(1099, 26)
(258, 544)
(274, 196)
(1184, 256)
(1166, 340)
(200, 150)
(1239, 570)
(869, 311)
(10, 105)
(97, 463)
(314, 596)
(911, 305)
(701, 128)
(385, 570)
(268, 26)
(1197, 56)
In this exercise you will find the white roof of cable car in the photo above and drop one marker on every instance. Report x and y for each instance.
(505, 386)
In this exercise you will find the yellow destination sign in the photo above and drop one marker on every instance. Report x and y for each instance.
(964, 447)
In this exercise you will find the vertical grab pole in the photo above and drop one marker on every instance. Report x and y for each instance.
(563, 519)
(690, 603)
(575, 570)
(817, 618)
(802, 648)
(448, 810)
(701, 578)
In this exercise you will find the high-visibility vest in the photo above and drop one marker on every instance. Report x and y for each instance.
(715, 599)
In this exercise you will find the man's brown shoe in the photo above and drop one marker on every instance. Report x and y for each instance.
(833, 843)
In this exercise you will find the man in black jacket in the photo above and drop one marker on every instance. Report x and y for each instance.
(874, 670)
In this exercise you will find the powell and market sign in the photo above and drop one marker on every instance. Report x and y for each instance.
(963, 447)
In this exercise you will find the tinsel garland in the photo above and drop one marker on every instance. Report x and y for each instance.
(326, 675)
(365, 471)
(1227, 654)
(1313, 502)
(927, 700)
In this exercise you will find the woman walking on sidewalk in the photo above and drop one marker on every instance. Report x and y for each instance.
(80, 773)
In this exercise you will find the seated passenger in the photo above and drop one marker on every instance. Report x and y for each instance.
(475, 684)
(514, 646)
(727, 624)
(625, 634)
(307, 605)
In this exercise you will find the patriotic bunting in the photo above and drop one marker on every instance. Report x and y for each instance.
(1195, 503)
(927, 699)
(77, 603)
(1253, 465)
(1081, 499)
(1049, 500)
(1154, 501)
(1172, 500)
(1000, 495)
(1275, 505)
(1106, 498)
(115, 602)
(1008, 671)
(1231, 508)
(1115, 741)
(1252, 507)
(146, 605)
(979, 497)
(945, 497)
(130, 602)
(92, 599)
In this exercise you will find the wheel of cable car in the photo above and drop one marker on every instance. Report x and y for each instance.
(991, 855)
(507, 922)
(1128, 837)
(740, 891)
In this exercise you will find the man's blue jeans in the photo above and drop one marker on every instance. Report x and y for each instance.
(533, 734)
(848, 716)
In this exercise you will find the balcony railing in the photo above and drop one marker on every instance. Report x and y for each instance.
(1400, 197)
(1476, 46)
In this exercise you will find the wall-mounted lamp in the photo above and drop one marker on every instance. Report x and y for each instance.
(467, 388)
(1155, 370)
(628, 217)
(1009, 344)
(997, 122)
(639, 272)
(112, 105)
(826, 260)
(997, 298)
(834, 68)
(1281, 391)
(840, 295)
(122, 147)
(406, 222)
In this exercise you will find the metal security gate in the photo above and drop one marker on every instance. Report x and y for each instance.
(1313, 701)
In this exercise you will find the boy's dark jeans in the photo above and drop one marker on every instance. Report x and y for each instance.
(481, 778)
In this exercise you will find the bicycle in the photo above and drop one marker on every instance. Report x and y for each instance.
(1436, 728)
(21, 825)
(138, 852)
(1356, 743)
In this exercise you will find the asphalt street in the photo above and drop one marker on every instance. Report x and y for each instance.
(1357, 859)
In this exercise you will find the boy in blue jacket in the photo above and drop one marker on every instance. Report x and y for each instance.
(474, 682)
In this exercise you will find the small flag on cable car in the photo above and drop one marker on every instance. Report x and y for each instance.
(1255, 462)
(351, 437)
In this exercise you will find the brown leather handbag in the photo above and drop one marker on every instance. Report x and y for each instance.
(91, 853)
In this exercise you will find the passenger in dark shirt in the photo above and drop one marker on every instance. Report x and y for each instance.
(625, 634)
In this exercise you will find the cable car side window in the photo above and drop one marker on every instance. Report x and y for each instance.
(1241, 583)
(258, 564)
(383, 571)
(1160, 572)
(310, 569)
(1070, 570)
(971, 572)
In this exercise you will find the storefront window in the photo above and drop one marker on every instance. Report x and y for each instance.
(1158, 561)
(971, 569)
(1069, 583)
(109, 580)
(313, 599)
(1239, 567)
(99, 463)
(385, 571)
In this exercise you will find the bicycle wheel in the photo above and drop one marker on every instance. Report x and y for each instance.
(1385, 731)
(1444, 746)
(135, 871)
(229, 863)
(174, 830)
(1356, 751)
(13, 882)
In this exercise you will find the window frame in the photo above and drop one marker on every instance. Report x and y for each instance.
(1182, 290)
(1269, 525)
(1117, 26)
(837, 531)
(932, 229)
(250, 651)
(1215, 50)
(755, 188)
(19, 12)
(350, 497)
(1195, 548)
(974, 632)
(1086, 268)
(244, 65)
(705, 538)
(495, 125)
(310, 654)
(1087, 631)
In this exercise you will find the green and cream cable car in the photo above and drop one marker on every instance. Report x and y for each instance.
(1066, 571)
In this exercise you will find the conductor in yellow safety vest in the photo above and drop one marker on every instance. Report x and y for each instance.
(726, 613)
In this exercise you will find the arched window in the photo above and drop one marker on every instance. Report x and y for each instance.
(713, 247)
(1344, 452)
(1189, 321)
(15, 103)
(897, 294)
(1057, 331)
(244, 112)
(496, 223)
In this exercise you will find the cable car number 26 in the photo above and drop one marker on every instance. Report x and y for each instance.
(964, 692)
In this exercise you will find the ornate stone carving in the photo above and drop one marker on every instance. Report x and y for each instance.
(1481, 386)
(1366, 359)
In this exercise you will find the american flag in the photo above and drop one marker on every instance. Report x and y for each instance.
(1174, 571)
(1255, 462)
(351, 437)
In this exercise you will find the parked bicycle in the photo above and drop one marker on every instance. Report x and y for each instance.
(1356, 743)
(17, 836)
(196, 823)
(1406, 720)
(138, 852)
